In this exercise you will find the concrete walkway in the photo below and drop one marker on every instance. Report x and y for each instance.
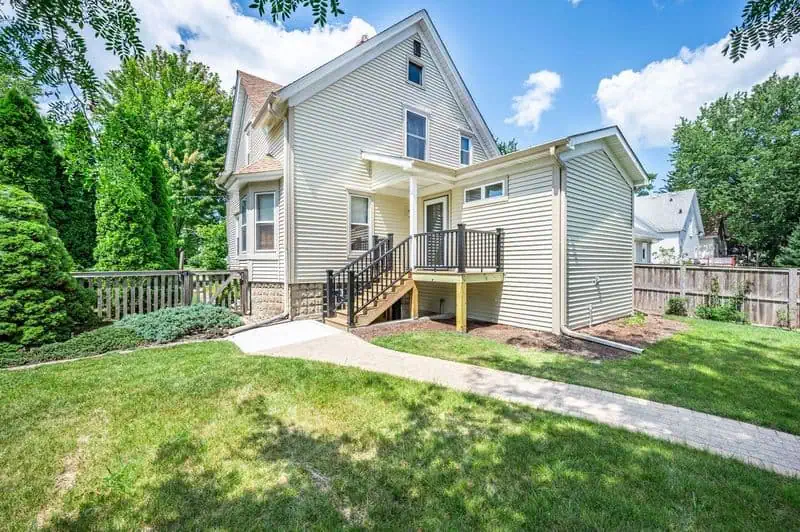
(762, 447)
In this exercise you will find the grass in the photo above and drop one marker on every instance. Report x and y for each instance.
(200, 436)
(736, 371)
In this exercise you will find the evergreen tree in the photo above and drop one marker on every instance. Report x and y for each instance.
(40, 302)
(185, 112)
(27, 157)
(80, 176)
(789, 257)
(162, 209)
(126, 226)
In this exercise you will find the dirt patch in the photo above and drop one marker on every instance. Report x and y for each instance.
(64, 482)
(654, 329)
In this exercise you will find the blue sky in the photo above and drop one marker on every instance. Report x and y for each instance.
(496, 49)
(640, 64)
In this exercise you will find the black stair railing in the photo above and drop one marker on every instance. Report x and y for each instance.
(337, 285)
(363, 280)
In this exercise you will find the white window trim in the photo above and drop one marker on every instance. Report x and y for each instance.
(252, 252)
(427, 117)
(368, 197)
(239, 225)
(461, 137)
(417, 61)
(274, 222)
(484, 200)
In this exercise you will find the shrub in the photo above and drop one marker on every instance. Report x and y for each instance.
(169, 324)
(636, 320)
(40, 302)
(726, 312)
(677, 306)
(784, 319)
(716, 310)
(94, 342)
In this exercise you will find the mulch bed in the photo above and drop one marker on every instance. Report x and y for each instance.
(654, 329)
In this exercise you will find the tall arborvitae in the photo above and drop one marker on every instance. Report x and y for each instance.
(27, 157)
(162, 209)
(80, 176)
(126, 237)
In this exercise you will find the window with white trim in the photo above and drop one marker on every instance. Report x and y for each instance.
(466, 150)
(359, 223)
(484, 192)
(243, 224)
(265, 221)
(414, 72)
(416, 135)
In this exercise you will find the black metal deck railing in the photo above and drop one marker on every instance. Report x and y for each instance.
(363, 280)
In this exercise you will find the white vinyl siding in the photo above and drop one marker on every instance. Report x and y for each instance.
(334, 126)
(599, 240)
(262, 265)
(390, 216)
(525, 297)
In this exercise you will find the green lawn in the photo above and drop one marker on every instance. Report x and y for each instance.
(200, 436)
(737, 371)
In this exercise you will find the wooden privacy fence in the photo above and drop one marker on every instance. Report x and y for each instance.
(121, 293)
(772, 290)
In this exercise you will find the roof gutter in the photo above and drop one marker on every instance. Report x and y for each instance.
(566, 331)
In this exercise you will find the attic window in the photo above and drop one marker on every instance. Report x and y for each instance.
(414, 73)
(417, 49)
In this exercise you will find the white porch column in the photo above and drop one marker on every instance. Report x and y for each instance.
(412, 216)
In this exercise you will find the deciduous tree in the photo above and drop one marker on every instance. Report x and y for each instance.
(742, 154)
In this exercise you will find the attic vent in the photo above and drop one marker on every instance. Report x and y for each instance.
(364, 38)
(680, 211)
(417, 49)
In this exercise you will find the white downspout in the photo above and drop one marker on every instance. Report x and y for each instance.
(563, 269)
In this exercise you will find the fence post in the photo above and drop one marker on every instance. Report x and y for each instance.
(794, 288)
(245, 289)
(351, 298)
(499, 249)
(188, 289)
(461, 248)
(682, 280)
(330, 303)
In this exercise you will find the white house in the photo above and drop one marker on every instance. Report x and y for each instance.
(372, 188)
(676, 220)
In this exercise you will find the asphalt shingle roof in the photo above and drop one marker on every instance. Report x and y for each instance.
(667, 212)
(257, 89)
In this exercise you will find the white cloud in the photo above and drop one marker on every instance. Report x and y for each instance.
(226, 39)
(528, 108)
(648, 103)
(575, 3)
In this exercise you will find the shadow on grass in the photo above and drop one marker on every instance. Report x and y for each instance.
(458, 464)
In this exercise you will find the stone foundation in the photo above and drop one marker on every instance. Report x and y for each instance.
(266, 300)
(306, 300)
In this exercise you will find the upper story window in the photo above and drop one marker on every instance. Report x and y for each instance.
(416, 135)
(243, 224)
(414, 72)
(484, 192)
(417, 49)
(359, 223)
(466, 150)
(265, 221)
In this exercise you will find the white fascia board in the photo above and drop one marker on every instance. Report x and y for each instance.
(639, 176)
(234, 115)
(246, 179)
(316, 80)
(388, 160)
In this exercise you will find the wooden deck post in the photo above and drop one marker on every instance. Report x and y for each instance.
(414, 301)
(461, 306)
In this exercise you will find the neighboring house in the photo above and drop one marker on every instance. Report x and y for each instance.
(675, 218)
(372, 188)
(644, 236)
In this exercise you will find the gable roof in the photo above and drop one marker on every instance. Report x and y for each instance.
(257, 89)
(669, 212)
(420, 22)
(643, 230)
